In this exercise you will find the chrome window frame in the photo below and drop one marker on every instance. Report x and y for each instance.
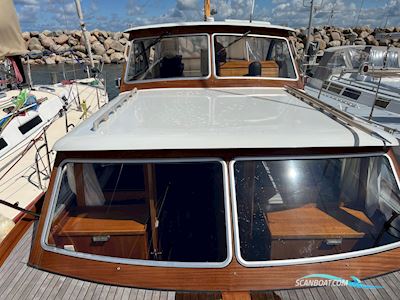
(252, 77)
(128, 63)
(141, 262)
(307, 260)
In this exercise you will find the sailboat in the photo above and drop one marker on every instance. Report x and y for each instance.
(212, 175)
(32, 118)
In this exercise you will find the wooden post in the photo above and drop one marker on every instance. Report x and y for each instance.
(79, 185)
(207, 10)
(151, 191)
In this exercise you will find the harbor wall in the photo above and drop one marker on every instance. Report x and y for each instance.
(64, 46)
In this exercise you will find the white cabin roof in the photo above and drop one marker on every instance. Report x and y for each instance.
(238, 23)
(212, 119)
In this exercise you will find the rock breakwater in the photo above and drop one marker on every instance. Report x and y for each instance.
(64, 46)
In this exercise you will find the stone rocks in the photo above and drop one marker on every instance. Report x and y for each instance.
(72, 41)
(335, 36)
(117, 57)
(109, 46)
(50, 60)
(107, 43)
(46, 41)
(117, 36)
(34, 44)
(62, 39)
(106, 59)
(26, 36)
(110, 51)
(359, 41)
(98, 48)
(364, 34)
(370, 39)
(334, 43)
(123, 41)
(117, 46)
(79, 48)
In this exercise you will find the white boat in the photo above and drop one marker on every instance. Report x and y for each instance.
(32, 118)
(211, 175)
(361, 80)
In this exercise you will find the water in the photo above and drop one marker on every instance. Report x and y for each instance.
(45, 74)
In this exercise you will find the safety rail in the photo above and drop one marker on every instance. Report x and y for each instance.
(337, 114)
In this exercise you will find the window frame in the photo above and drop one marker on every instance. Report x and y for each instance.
(128, 64)
(252, 77)
(307, 260)
(140, 262)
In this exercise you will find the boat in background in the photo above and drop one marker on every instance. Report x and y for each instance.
(361, 80)
(32, 118)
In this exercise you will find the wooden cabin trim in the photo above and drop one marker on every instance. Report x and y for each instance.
(24, 222)
(225, 154)
(234, 277)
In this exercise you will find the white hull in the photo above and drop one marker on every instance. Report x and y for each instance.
(19, 181)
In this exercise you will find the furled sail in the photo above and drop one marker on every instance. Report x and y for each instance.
(11, 41)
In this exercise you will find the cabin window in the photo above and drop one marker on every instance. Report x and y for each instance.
(252, 56)
(169, 57)
(30, 125)
(164, 212)
(3, 143)
(351, 93)
(305, 208)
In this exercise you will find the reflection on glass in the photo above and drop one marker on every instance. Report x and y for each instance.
(168, 57)
(246, 55)
(160, 211)
(314, 207)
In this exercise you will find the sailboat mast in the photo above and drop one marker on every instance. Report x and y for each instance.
(309, 27)
(207, 10)
(84, 31)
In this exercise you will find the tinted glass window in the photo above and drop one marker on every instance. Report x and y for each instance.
(168, 57)
(3, 143)
(162, 211)
(237, 55)
(314, 207)
(30, 125)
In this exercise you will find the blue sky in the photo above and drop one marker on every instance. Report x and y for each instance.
(117, 15)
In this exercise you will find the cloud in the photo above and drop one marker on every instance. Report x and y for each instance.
(56, 14)
(187, 4)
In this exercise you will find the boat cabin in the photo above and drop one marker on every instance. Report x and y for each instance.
(207, 174)
(210, 54)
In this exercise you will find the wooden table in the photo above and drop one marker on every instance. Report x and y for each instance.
(304, 231)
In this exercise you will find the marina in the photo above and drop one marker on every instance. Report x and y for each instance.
(227, 166)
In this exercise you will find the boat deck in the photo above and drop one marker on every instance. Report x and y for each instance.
(19, 281)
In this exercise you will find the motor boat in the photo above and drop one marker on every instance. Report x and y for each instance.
(361, 80)
(212, 175)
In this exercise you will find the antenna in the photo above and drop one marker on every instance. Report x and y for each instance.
(252, 10)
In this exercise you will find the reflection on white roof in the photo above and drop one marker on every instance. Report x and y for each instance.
(213, 119)
(238, 23)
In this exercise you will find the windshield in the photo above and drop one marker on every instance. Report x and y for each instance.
(168, 57)
(303, 208)
(254, 56)
(165, 212)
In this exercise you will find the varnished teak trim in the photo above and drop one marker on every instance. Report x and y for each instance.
(234, 277)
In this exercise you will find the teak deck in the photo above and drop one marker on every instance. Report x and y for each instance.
(19, 281)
